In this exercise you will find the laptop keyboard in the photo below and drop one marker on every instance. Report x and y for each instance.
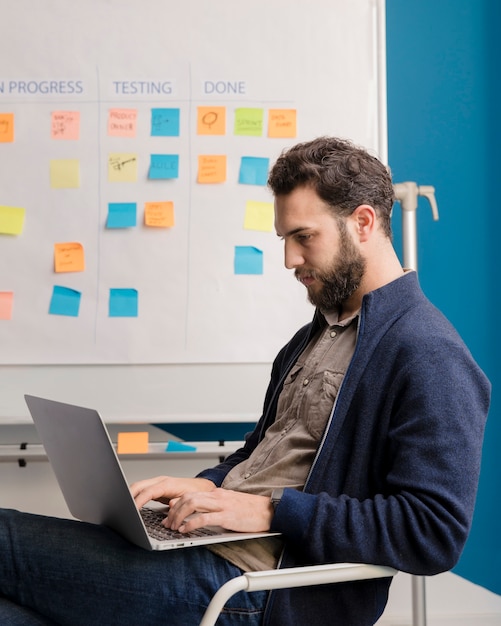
(153, 521)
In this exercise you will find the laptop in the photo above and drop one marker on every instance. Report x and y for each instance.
(94, 486)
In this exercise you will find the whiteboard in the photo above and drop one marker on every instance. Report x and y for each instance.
(210, 288)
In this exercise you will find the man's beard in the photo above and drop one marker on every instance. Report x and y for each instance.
(341, 280)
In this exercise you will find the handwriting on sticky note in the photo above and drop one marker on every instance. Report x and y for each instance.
(132, 443)
(64, 301)
(165, 122)
(6, 127)
(69, 257)
(122, 122)
(64, 173)
(211, 120)
(282, 123)
(6, 302)
(211, 169)
(11, 220)
(259, 216)
(159, 214)
(248, 260)
(249, 122)
(163, 166)
(122, 167)
(65, 125)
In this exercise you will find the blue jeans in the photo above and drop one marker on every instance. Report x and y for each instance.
(64, 572)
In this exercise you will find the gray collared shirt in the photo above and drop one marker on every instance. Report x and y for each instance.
(285, 455)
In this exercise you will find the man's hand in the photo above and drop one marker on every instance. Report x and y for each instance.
(232, 510)
(164, 488)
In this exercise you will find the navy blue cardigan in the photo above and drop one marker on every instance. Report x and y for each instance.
(395, 477)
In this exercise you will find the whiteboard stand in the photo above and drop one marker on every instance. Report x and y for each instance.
(407, 194)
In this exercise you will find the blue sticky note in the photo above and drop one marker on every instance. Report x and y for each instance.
(64, 301)
(163, 166)
(123, 303)
(248, 260)
(121, 215)
(165, 122)
(178, 446)
(253, 171)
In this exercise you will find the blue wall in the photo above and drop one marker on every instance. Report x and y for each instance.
(444, 130)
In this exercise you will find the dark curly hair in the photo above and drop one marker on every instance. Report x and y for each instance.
(343, 175)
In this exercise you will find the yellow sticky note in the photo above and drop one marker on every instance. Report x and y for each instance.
(6, 301)
(65, 125)
(159, 214)
(11, 220)
(69, 257)
(122, 122)
(64, 173)
(6, 127)
(211, 120)
(132, 443)
(211, 168)
(282, 123)
(259, 216)
(122, 168)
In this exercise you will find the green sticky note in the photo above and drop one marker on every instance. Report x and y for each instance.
(249, 122)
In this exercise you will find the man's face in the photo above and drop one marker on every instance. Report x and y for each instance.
(319, 248)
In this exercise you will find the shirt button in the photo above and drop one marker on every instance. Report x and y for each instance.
(247, 475)
(306, 381)
(333, 333)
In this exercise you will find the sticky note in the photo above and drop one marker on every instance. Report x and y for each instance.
(211, 169)
(132, 443)
(65, 125)
(69, 257)
(259, 216)
(11, 220)
(64, 173)
(159, 214)
(211, 120)
(253, 171)
(282, 123)
(178, 446)
(163, 166)
(249, 122)
(6, 127)
(64, 301)
(165, 122)
(6, 302)
(122, 122)
(121, 215)
(122, 167)
(123, 303)
(248, 260)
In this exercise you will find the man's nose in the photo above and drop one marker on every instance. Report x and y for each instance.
(292, 255)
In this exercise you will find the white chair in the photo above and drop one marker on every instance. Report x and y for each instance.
(291, 577)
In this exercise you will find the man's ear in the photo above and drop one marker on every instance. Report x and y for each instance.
(364, 217)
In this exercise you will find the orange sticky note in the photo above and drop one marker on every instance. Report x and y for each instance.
(132, 443)
(6, 127)
(65, 125)
(211, 120)
(69, 257)
(159, 214)
(282, 123)
(122, 122)
(211, 168)
(6, 301)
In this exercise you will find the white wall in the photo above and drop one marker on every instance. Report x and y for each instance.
(451, 600)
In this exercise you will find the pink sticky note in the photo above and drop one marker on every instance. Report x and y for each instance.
(6, 301)
(122, 122)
